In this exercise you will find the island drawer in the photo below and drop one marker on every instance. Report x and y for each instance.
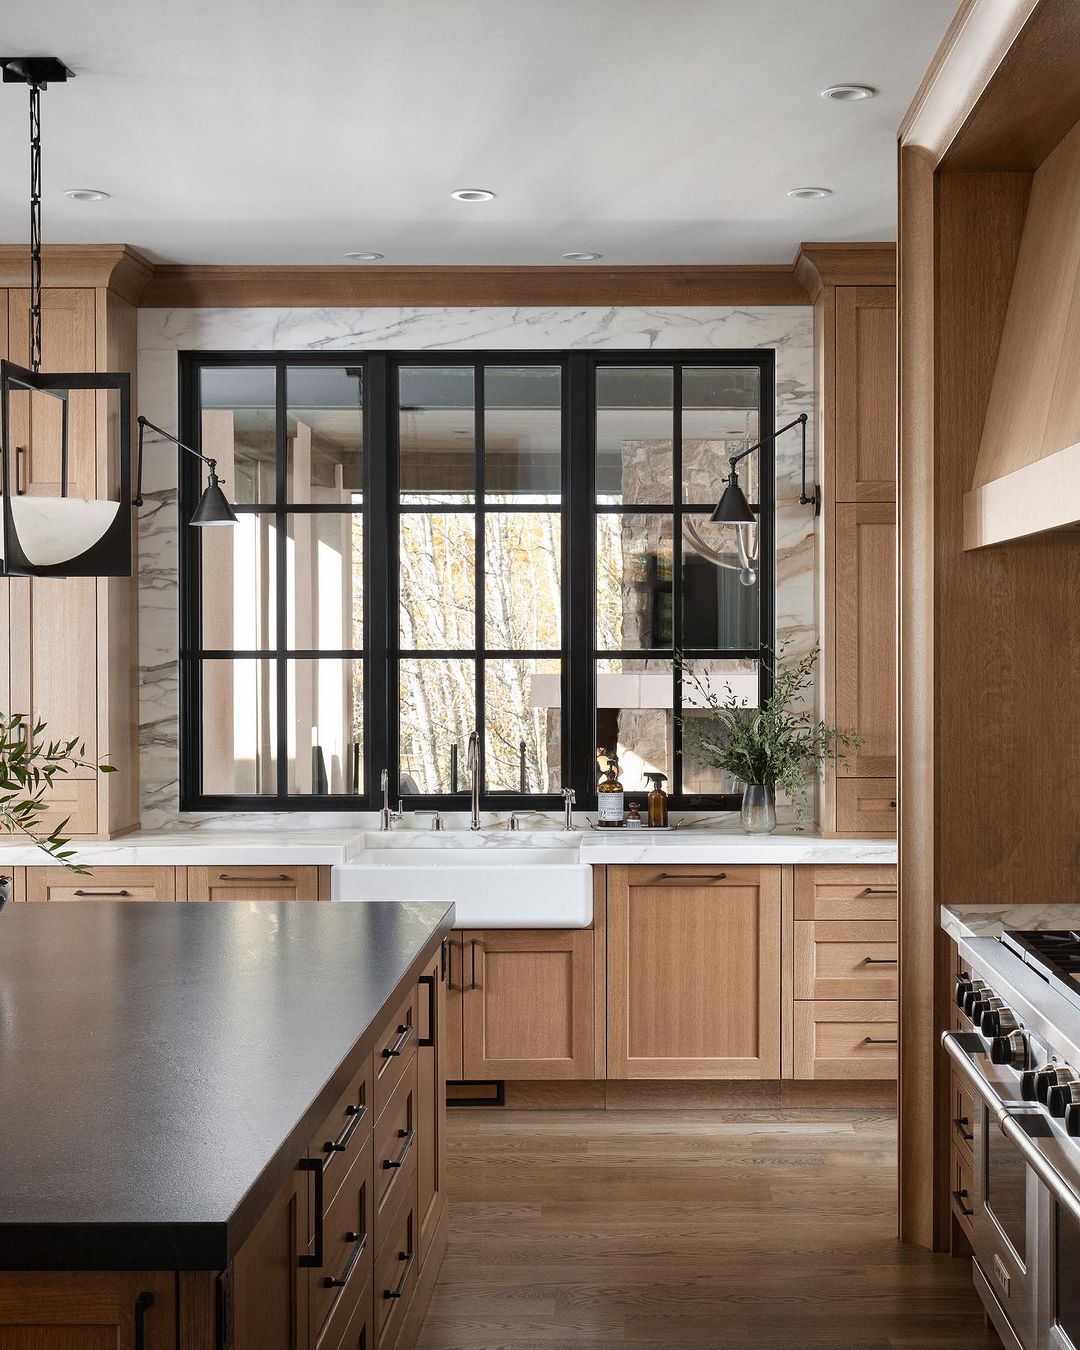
(836, 892)
(845, 1039)
(350, 1324)
(348, 1241)
(395, 1048)
(395, 1272)
(343, 1134)
(102, 883)
(846, 960)
(395, 1147)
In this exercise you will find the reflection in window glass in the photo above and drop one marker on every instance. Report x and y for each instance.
(239, 711)
(719, 419)
(436, 433)
(633, 581)
(522, 596)
(634, 716)
(634, 426)
(438, 596)
(523, 725)
(239, 585)
(325, 701)
(522, 433)
(324, 575)
(720, 599)
(238, 429)
(437, 711)
(706, 682)
(325, 434)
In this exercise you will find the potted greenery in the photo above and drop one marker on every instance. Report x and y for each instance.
(29, 767)
(776, 745)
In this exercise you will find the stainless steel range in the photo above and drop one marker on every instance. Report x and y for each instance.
(1022, 1058)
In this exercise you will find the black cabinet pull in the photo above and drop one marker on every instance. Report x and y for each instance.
(100, 895)
(879, 1040)
(450, 962)
(316, 1257)
(399, 1161)
(356, 1114)
(405, 1032)
(142, 1302)
(397, 1292)
(965, 1134)
(693, 876)
(879, 890)
(340, 1281)
(879, 960)
(20, 489)
(237, 876)
(960, 1197)
(474, 943)
(429, 1039)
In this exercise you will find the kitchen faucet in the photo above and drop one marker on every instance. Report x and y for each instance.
(386, 815)
(569, 798)
(472, 763)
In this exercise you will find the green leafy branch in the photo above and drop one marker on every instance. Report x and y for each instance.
(29, 768)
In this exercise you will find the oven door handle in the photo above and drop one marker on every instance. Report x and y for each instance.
(1063, 1191)
(958, 1046)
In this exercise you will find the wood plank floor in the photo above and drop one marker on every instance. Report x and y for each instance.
(771, 1230)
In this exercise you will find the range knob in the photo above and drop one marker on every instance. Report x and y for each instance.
(1011, 1049)
(978, 988)
(998, 1022)
(1051, 1075)
(1028, 1080)
(1072, 1120)
(964, 986)
(1061, 1096)
(984, 1004)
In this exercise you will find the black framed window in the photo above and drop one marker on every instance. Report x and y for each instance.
(431, 543)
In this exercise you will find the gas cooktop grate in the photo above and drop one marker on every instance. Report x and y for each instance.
(1054, 953)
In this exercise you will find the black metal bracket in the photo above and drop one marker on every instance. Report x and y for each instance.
(39, 70)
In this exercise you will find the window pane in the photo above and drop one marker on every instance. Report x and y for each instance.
(634, 425)
(326, 726)
(720, 593)
(239, 584)
(239, 730)
(324, 573)
(523, 712)
(633, 582)
(719, 419)
(634, 716)
(437, 713)
(521, 579)
(325, 436)
(438, 596)
(705, 683)
(238, 420)
(522, 433)
(436, 433)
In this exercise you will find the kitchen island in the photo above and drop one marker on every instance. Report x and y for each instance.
(222, 1124)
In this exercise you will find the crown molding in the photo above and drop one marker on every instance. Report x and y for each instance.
(820, 265)
(114, 267)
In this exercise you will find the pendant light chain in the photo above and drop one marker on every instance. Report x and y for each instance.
(35, 226)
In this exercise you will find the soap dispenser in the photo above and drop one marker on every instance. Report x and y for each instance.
(658, 801)
(609, 798)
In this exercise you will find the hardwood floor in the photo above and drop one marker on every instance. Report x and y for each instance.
(772, 1230)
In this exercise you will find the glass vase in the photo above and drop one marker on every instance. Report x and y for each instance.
(758, 808)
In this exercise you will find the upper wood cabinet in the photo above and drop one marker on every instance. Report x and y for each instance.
(865, 394)
(693, 972)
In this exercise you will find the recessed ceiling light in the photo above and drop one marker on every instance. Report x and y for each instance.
(472, 195)
(582, 257)
(809, 193)
(86, 194)
(363, 257)
(848, 93)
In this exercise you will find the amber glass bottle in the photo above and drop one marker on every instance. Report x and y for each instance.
(658, 802)
(609, 798)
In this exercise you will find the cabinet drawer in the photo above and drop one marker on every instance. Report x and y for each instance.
(845, 960)
(962, 1115)
(343, 1134)
(395, 1048)
(395, 1272)
(866, 805)
(350, 1325)
(841, 1039)
(693, 876)
(396, 1146)
(960, 1188)
(74, 800)
(834, 893)
(348, 1241)
(251, 883)
(103, 883)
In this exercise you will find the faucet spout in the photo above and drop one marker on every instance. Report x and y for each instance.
(472, 763)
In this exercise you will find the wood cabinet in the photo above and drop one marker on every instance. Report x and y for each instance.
(693, 972)
(88, 1310)
(251, 883)
(430, 1103)
(845, 1039)
(103, 883)
(845, 959)
(865, 394)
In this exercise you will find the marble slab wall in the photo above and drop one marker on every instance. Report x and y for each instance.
(163, 333)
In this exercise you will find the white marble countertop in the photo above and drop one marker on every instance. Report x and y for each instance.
(978, 921)
(332, 845)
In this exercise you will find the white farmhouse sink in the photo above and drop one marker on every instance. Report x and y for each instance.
(490, 887)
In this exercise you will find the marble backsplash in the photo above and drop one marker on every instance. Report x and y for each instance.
(163, 333)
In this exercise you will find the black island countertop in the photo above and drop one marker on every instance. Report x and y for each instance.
(162, 1065)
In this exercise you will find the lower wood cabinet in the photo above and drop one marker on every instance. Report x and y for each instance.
(103, 883)
(841, 1038)
(251, 883)
(430, 1103)
(87, 1310)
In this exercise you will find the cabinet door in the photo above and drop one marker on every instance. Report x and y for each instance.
(103, 883)
(527, 1005)
(866, 636)
(249, 883)
(86, 1310)
(430, 1102)
(268, 1296)
(865, 374)
(693, 972)
(455, 977)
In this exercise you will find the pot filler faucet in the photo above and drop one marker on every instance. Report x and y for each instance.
(472, 763)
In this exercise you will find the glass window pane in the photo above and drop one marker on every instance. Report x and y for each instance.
(719, 419)
(634, 424)
(634, 716)
(704, 684)
(239, 584)
(522, 433)
(436, 433)
(438, 596)
(720, 592)
(522, 597)
(325, 434)
(523, 714)
(325, 709)
(238, 411)
(633, 581)
(324, 576)
(437, 712)
(239, 730)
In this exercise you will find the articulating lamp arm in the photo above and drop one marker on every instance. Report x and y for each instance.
(144, 425)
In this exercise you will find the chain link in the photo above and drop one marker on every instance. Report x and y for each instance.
(35, 227)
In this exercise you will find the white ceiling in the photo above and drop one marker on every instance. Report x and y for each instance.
(294, 131)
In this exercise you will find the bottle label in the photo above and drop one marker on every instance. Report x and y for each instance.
(610, 807)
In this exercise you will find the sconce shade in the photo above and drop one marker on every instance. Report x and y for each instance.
(213, 507)
(733, 508)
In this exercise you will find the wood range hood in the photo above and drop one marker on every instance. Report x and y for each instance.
(1027, 478)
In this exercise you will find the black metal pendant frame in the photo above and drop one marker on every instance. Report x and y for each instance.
(111, 555)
